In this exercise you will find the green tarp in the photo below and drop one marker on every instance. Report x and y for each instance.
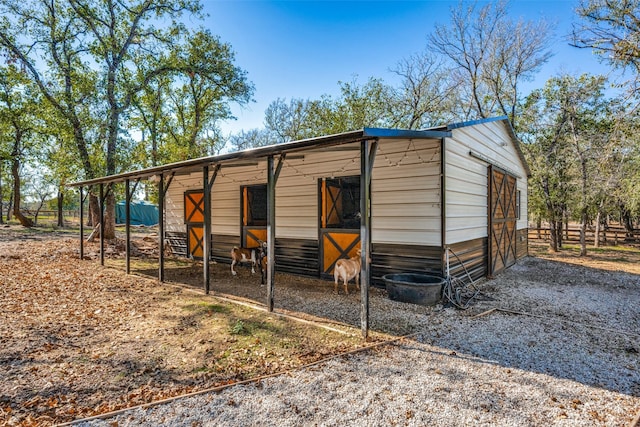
(142, 213)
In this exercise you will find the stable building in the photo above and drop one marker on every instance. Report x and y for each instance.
(410, 199)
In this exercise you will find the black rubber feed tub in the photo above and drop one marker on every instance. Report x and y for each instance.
(423, 289)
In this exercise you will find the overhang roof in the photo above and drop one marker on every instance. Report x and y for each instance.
(192, 165)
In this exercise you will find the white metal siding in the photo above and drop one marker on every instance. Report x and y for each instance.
(174, 201)
(466, 178)
(405, 187)
(297, 189)
(225, 197)
(405, 200)
(523, 222)
(405, 192)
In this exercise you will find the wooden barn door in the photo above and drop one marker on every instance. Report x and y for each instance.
(195, 244)
(332, 203)
(339, 224)
(502, 220)
(194, 218)
(254, 215)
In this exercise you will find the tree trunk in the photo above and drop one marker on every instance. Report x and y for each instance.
(110, 217)
(37, 214)
(94, 210)
(15, 173)
(109, 214)
(583, 232)
(553, 234)
(10, 206)
(626, 220)
(584, 212)
(560, 238)
(109, 226)
(60, 212)
(596, 238)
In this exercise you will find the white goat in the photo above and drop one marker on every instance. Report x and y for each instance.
(347, 269)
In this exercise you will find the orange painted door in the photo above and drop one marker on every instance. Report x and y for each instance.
(195, 242)
(254, 214)
(337, 244)
(194, 219)
(335, 241)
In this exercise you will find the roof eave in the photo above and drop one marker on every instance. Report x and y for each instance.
(188, 166)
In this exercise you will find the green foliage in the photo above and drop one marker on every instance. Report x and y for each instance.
(178, 112)
(358, 106)
(101, 87)
(240, 328)
(612, 30)
(92, 61)
(20, 132)
(579, 147)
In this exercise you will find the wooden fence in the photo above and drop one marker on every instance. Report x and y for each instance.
(51, 213)
(612, 235)
(46, 216)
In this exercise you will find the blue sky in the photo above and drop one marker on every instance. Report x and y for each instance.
(302, 49)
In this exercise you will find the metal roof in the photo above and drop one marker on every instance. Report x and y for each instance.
(191, 165)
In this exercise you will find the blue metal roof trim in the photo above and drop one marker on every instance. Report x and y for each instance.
(478, 122)
(404, 133)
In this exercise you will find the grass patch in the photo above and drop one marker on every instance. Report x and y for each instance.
(206, 308)
(239, 328)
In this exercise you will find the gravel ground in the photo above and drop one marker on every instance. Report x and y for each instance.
(573, 361)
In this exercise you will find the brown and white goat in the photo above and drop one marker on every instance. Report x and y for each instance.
(257, 257)
(347, 269)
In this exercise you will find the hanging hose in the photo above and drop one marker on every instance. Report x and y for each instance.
(455, 288)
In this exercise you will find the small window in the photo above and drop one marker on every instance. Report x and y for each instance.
(518, 205)
(341, 202)
(254, 205)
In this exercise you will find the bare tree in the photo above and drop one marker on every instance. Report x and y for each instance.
(517, 54)
(612, 29)
(423, 98)
(490, 55)
(40, 189)
(251, 139)
(288, 122)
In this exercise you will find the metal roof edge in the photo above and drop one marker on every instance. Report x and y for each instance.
(404, 133)
(274, 149)
(458, 125)
(252, 153)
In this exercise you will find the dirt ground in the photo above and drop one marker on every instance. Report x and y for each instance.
(619, 258)
(78, 339)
